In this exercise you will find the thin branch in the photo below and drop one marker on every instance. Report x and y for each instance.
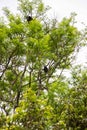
(19, 89)
(6, 66)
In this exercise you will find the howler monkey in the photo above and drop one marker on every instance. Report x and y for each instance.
(45, 69)
(29, 18)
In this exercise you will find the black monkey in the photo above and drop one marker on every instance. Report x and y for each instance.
(29, 18)
(45, 69)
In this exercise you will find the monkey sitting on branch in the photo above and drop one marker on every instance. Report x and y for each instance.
(45, 69)
(29, 18)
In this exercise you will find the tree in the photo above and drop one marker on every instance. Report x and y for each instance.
(29, 97)
(77, 103)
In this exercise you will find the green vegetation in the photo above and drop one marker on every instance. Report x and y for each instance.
(30, 98)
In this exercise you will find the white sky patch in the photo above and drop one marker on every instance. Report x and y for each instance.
(11, 4)
(63, 8)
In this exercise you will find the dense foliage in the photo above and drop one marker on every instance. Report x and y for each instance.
(30, 97)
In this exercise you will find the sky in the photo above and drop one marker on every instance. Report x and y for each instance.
(63, 8)
(60, 9)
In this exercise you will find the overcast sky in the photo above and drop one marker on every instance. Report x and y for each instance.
(63, 8)
(60, 9)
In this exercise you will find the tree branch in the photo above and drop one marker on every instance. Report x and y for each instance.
(6, 66)
(19, 88)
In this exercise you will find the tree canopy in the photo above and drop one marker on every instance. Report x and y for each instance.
(34, 52)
